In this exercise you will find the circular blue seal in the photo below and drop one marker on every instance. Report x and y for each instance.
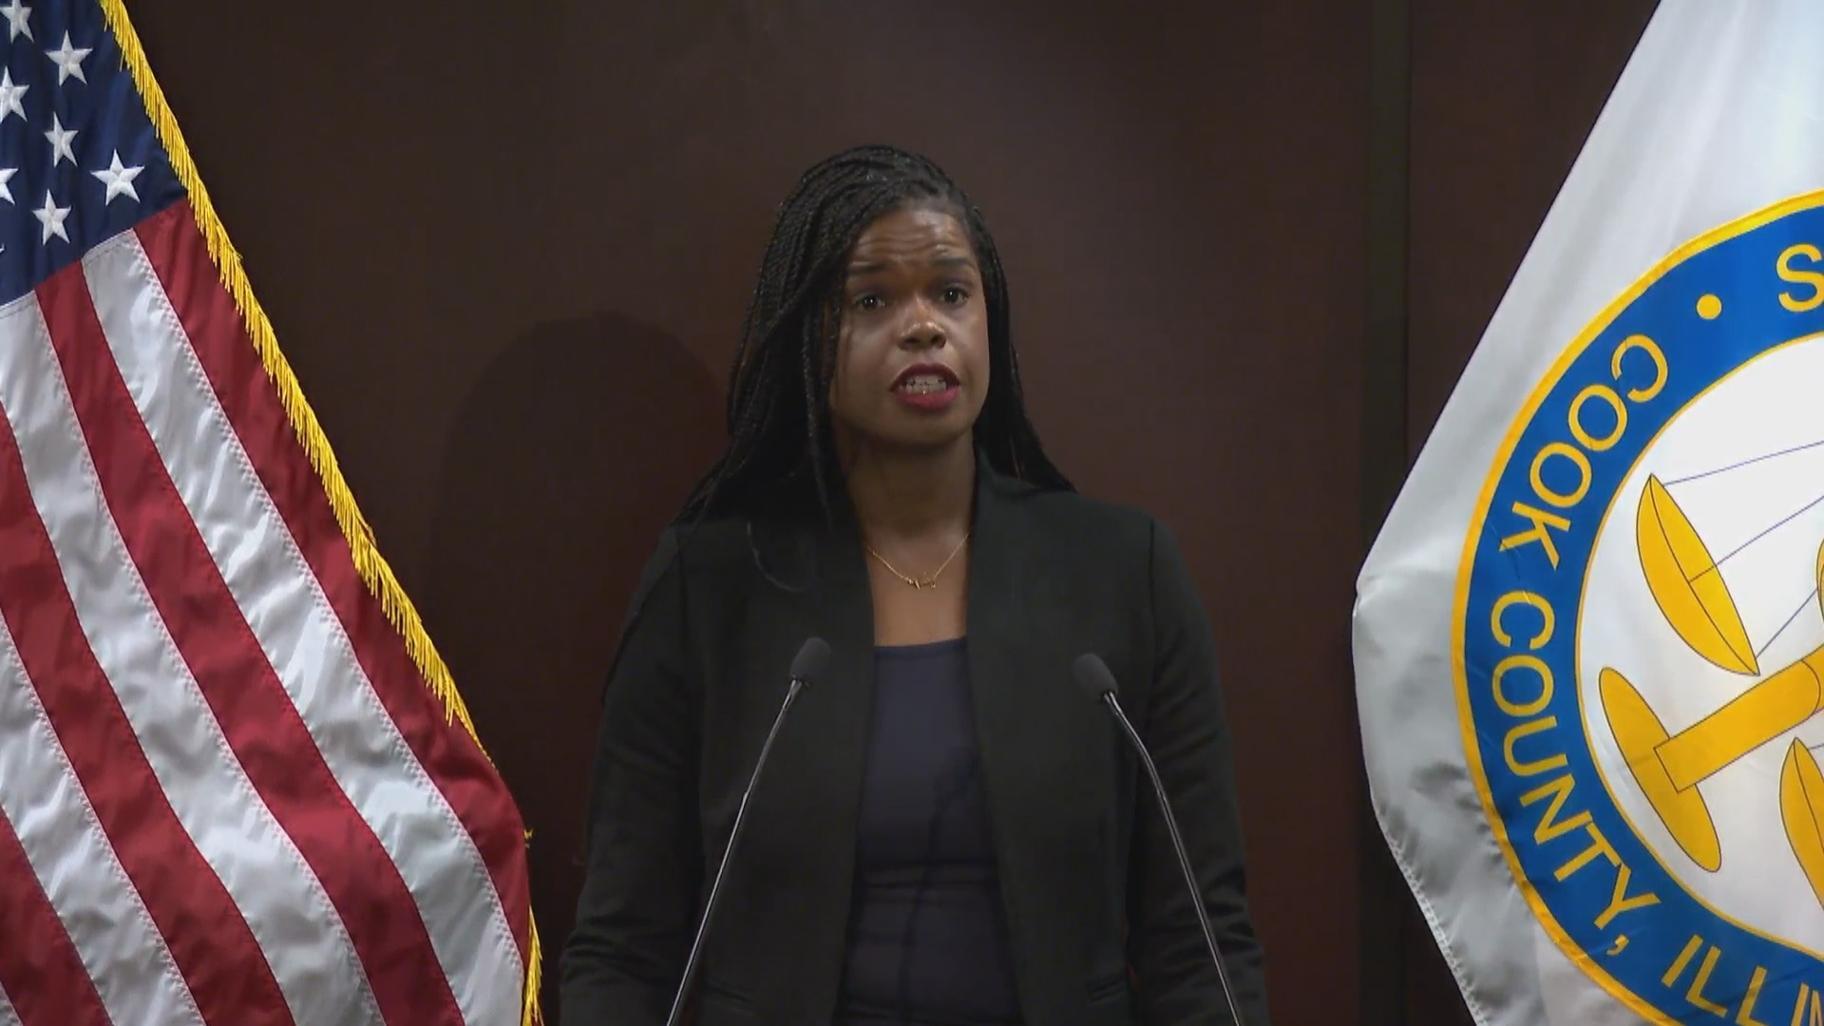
(1639, 640)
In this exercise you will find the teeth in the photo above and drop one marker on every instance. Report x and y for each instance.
(920, 384)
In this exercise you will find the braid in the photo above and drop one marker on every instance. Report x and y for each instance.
(811, 349)
(779, 427)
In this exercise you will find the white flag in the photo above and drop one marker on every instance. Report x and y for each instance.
(1589, 644)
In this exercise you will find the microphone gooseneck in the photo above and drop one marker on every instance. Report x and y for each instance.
(810, 664)
(1098, 684)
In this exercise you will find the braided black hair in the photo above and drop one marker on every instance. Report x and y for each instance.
(779, 385)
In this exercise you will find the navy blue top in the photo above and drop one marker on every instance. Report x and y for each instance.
(928, 939)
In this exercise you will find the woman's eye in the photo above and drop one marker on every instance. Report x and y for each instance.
(867, 302)
(956, 295)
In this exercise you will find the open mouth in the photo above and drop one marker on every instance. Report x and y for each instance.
(925, 379)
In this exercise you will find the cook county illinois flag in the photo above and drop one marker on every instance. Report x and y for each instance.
(236, 785)
(1589, 645)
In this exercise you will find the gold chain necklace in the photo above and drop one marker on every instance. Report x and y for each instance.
(919, 583)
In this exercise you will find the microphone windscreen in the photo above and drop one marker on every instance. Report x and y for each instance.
(1094, 677)
(811, 662)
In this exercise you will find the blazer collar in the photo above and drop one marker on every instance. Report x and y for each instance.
(998, 544)
(1004, 569)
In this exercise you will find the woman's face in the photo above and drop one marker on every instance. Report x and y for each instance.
(912, 347)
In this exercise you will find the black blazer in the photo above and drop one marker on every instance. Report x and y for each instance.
(1102, 929)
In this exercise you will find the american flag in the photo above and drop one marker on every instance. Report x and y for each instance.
(236, 786)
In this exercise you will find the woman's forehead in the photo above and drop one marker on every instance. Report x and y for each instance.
(919, 234)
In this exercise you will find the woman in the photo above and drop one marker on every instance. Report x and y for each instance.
(948, 831)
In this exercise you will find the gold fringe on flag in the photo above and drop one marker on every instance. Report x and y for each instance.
(373, 569)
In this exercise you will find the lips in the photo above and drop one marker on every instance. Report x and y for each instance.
(926, 388)
(925, 379)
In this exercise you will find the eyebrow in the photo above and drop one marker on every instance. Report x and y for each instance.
(874, 266)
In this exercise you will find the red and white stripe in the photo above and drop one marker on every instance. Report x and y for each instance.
(236, 799)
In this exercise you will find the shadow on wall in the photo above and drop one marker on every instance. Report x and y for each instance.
(573, 449)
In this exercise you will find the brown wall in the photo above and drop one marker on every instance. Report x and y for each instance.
(507, 247)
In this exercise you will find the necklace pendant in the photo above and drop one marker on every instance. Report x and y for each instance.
(916, 583)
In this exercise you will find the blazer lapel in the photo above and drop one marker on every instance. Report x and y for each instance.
(809, 803)
(837, 717)
(1031, 723)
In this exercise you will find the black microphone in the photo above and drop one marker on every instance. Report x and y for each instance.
(808, 666)
(1098, 683)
